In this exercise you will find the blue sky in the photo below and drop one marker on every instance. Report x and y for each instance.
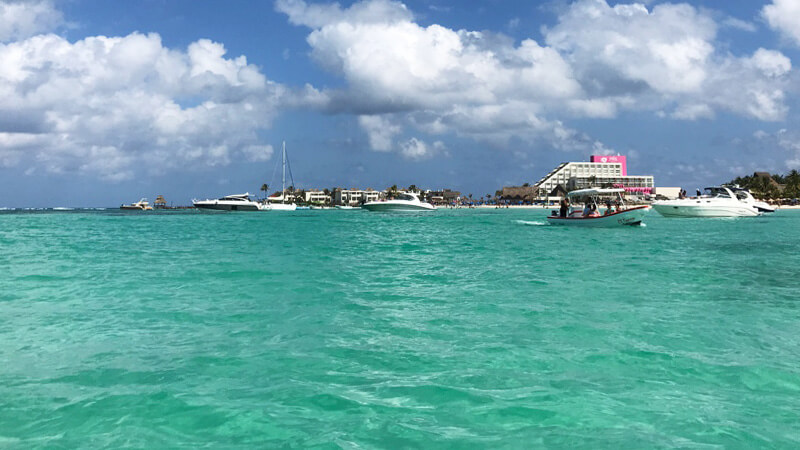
(105, 102)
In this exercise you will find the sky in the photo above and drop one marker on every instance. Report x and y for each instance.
(102, 103)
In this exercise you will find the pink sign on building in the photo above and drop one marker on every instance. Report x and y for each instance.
(612, 159)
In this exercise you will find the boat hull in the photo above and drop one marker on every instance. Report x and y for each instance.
(282, 206)
(397, 207)
(212, 206)
(704, 210)
(629, 217)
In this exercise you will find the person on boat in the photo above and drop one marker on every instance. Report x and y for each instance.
(564, 208)
(609, 208)
(587, 210)
(594, 212)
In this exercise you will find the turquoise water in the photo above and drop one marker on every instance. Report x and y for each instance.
(460, 329)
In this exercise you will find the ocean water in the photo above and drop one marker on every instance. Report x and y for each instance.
(350, 329)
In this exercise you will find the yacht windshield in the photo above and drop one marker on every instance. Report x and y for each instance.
(716, 193)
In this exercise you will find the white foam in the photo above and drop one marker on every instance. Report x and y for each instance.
(530, 222)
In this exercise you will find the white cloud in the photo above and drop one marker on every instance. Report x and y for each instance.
(117, 106)
(415, 149)
(784, 17)
(665, 58)
(598, 60)
(666, 48)
(258, 153)
(380, 131)
(739, 24)
(693, 112)
(22, 19)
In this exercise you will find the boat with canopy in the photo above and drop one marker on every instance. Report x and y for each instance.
(616, 212)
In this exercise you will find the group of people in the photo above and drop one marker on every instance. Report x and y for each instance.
(682, 194)
(590, 209)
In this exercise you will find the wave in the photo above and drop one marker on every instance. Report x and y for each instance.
(530, 222)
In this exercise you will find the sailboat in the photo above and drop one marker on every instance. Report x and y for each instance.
(283, 206)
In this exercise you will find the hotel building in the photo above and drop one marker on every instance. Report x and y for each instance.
(316, 196)
(600, 171)
(354, 197)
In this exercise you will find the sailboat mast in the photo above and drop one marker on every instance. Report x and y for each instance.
(283, 181)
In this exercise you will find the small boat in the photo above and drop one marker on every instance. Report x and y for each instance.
(346, 207)
(236, 202)
(591, 198)
(405, 202)
(716, 201)
(141, 205)
(303, 207)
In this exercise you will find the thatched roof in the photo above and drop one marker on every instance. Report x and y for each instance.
(518, 193)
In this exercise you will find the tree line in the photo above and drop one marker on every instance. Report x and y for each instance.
(763, 187)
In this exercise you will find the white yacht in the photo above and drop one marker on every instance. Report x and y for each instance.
(405, 201)
(237, 202)
(141, 205)
(717, 201)
(282, 206)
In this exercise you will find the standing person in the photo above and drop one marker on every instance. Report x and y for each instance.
(564, 207)
(698, 193)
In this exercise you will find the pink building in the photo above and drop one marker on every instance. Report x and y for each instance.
(612, 159)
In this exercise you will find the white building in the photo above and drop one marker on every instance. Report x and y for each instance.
(356, 196)
(315, 196)
(600, 171)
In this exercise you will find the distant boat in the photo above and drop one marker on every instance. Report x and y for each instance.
(346, 207)
(237, 202)
(405, 202)
(283, 206)
(141, 205)
(717, 201)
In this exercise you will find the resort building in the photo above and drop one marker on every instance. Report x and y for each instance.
(353, 197)
(601, 170)
(316, 196)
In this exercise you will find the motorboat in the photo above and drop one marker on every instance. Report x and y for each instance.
(590, 216)
(745, 196)
(716, 201)
(346, 207)
(141, 205)
(405, 201)
(236, 202)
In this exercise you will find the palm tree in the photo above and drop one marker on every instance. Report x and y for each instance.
(265, 188)
(792, 184)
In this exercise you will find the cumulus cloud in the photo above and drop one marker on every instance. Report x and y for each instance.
(22, 19)
(666, 58)
(665, 49)
(415, 149)
(110, 106)
(596, 61)
(381, 132)
(784, 17)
